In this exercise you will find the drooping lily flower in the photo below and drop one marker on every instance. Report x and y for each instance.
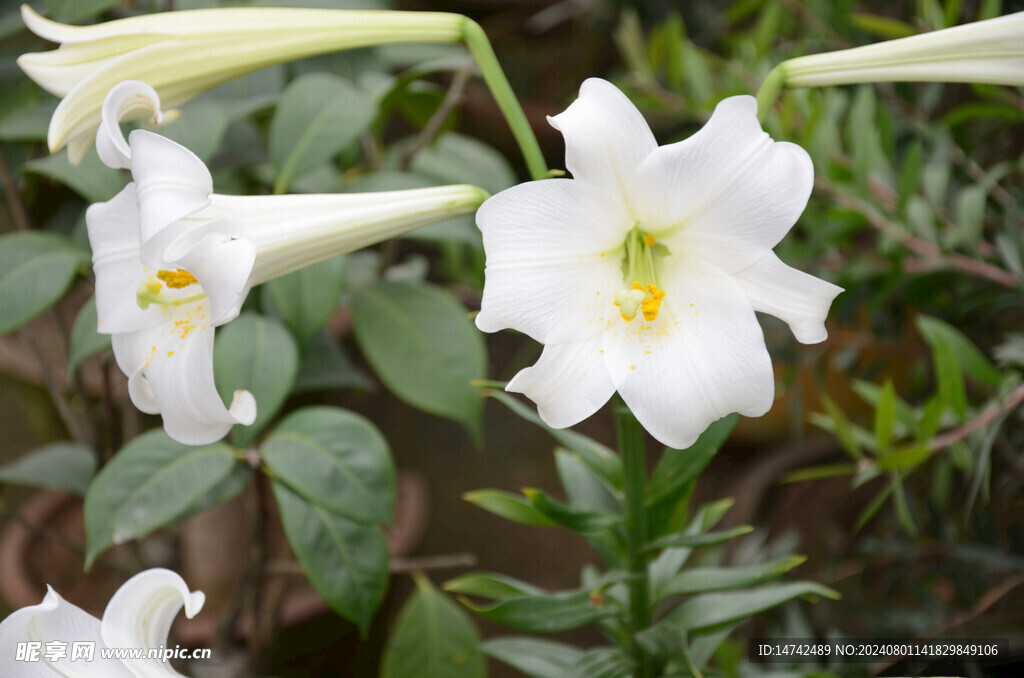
(990, 51)
(182, 54)
(641, 274)
(173, 260)
(56, 636)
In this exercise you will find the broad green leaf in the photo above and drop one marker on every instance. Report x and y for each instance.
(904, 458)
(950, 378)
(317, 116)
(490, 585)
(85, 340)
(582, 486)
(432, 638)
(258, 354)
(35, 271)
(346, 562)
(545, 613)
(970, 358)
(678, 467)
(692, 541)
(336, 460)
(509, 506)
(532, 656)
(578, 520)
(306, 298)
(423, 348)
(91, 179)
(325, 366)
(713, 609)
(598, 458)
(29, 123)
(458, 159)
(605, 662)
(150, 483)
(885, 417)
(707, 579)
(200, 128)
(64, 466)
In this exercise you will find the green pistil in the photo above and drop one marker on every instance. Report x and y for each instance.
(638, 264)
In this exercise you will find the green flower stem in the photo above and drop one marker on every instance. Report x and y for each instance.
(480, 47)
(634, 470)
(770, 90)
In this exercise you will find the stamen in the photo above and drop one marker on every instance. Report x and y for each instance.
(639, 266)
(150, 293)
(177, 279)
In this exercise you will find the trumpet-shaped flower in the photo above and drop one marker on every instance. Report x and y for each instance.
(990, 51)
(173, 260)
(641, 274)
(182, 54)
(138, 618)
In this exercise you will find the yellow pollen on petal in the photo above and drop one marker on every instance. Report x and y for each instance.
(177, 279)
(170, 353)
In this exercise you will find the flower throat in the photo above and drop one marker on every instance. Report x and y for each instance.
(638, 266)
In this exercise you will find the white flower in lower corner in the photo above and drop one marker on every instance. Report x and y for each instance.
(641, 274)
(138, 617)
(173, 260)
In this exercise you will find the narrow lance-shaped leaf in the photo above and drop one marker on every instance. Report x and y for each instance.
(535, 657)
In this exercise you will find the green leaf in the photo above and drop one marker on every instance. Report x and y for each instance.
(325, 366)
(91, 179)
(28, 123)
(532, 656)
(818, 472)
(336, 460)
(970, 358)
(35, 271)
(458, 159)
(605, 662)
(578, 520)
(490, 585)
(200, 128)
(545, 613)
(669, 561)
(432, 638)
(306, 298)
(904, 458)
(318, 115)
(150, 483)
(713, 609)
(63, 466)
(85, 340)
(885, 417)
(258, 354)
(598, 458)
(692, 541)
(73, 11)
(842, 428)
(346, 562)
(707, 579)
(509, 506)
(678, 467)
(582, 487)
(881, 26)
(423, 348)
(950, 378)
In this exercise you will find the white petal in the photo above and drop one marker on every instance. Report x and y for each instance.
(704, 356)
(728, 193)
(171, 183)
(569, 382)
(800, 299)
(606, 137)
(54, 620)
(552, 269)
(140, 615)
(170, 370)
(125, 98)
(113, 228)
(222, 265)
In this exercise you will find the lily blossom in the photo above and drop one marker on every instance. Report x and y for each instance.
(182, 54)
(641, 274)
(138, 617)
(990, 51)
(173, 260)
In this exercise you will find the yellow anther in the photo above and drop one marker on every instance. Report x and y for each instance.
(177, 279)
(649, 240)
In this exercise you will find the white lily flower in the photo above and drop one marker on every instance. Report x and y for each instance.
(641, 274)
(138, 617)
(990, 51)
(173, 260)
(182, 54)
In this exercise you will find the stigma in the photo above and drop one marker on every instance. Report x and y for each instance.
(638, 299)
